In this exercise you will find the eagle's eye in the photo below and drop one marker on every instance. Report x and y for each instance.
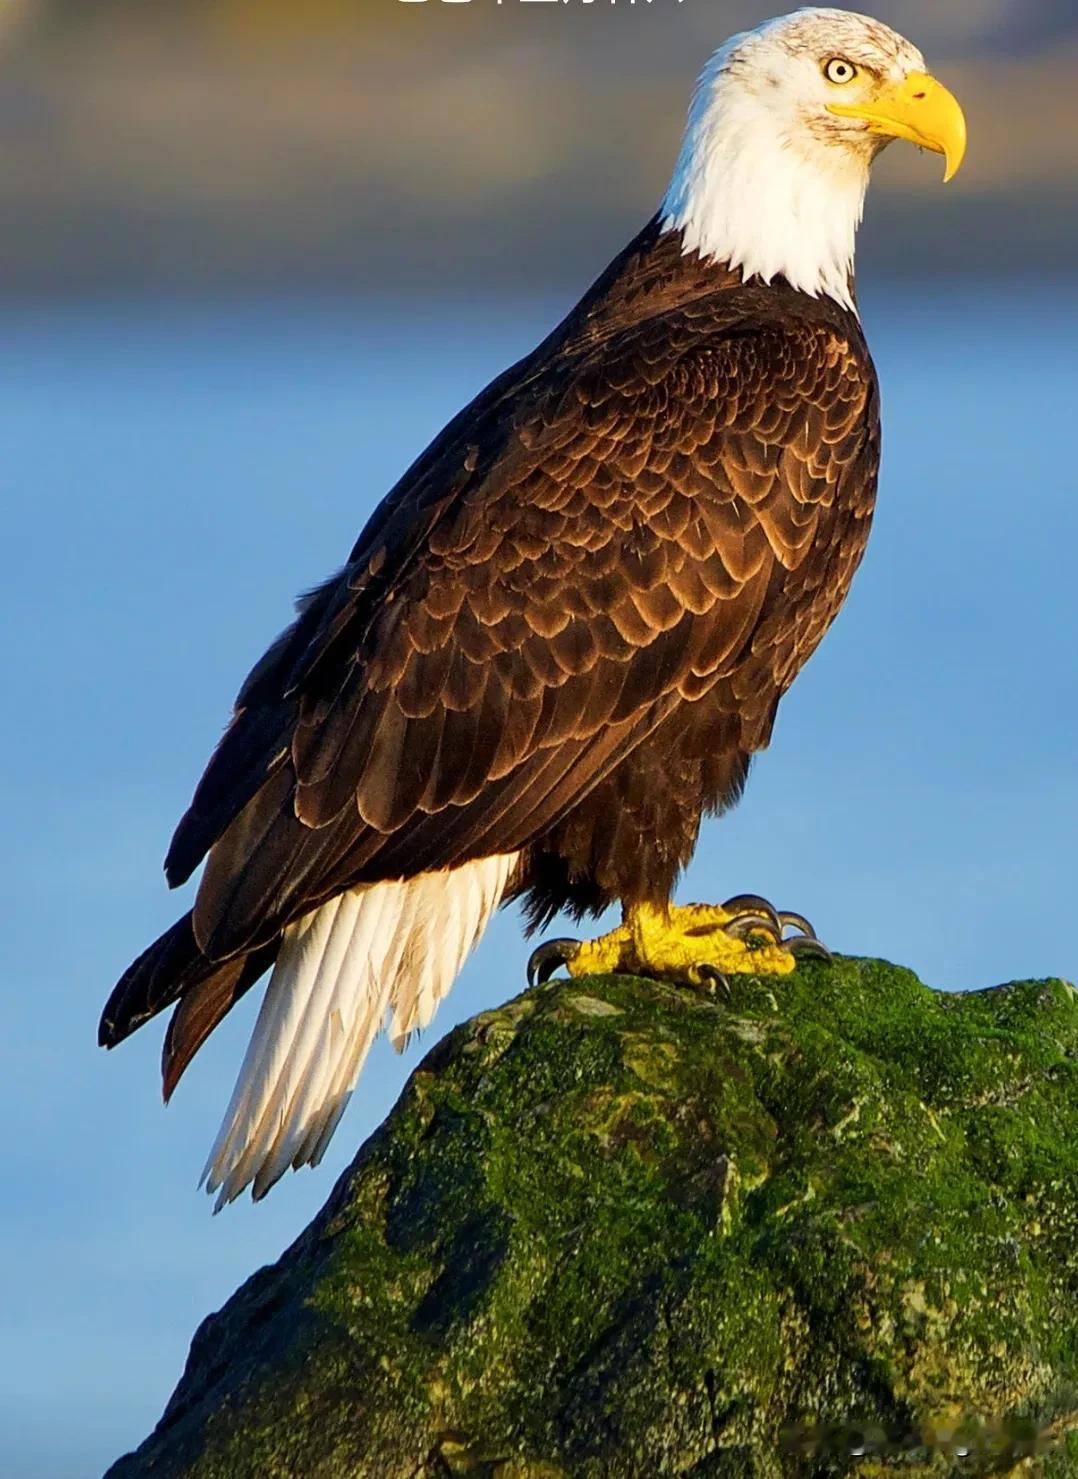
(839, 71)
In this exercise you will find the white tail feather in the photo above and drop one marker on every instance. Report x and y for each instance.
(388, 947)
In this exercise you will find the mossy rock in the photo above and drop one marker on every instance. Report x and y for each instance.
(623, 1228)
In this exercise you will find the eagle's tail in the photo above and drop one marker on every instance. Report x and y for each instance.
(384, 947)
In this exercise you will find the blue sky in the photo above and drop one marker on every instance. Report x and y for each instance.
(173, 477)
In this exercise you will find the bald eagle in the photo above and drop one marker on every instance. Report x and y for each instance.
(563, 635)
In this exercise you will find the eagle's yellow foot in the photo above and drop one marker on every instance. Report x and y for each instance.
(698, 943)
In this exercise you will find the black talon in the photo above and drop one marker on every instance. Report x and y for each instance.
(789, 920)
(710, 975)
(753, 904)
(752, 924)
(809, 947)
(544, 961)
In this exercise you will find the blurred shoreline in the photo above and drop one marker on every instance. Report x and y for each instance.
(423, 150)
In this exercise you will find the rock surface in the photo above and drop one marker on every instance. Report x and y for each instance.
(620, 1228)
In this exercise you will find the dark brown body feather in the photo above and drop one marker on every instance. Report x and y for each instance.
(565, 631)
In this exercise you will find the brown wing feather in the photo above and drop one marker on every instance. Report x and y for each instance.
(455, 723)
(203, 1006)
(175, 969)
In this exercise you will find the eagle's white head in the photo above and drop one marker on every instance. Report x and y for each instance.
(783, 129)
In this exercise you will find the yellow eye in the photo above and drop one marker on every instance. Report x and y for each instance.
(839, 71)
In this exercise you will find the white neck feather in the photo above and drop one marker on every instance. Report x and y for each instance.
(762, 193)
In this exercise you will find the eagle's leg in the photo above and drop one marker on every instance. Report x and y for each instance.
(697, 943)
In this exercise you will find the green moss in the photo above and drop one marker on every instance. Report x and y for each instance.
(618, 1227)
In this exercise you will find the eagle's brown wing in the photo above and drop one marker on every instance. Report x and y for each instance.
(600, 538)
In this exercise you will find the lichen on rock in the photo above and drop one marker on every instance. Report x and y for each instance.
(619, 1227)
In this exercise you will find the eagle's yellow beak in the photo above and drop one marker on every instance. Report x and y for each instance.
(919, 109)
